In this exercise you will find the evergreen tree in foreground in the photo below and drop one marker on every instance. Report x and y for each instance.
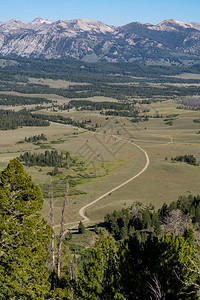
(98, 279)
(81, 228)
(24, 236)
(159, 266)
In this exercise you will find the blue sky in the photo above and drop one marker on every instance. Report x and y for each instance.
(112, 12)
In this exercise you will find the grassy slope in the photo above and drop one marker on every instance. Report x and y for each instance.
(162, 182)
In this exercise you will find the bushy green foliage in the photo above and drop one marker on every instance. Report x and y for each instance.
(98, 279)
(130, 270)
(137, 220)
(159, 266)
(140, 271)
(81, 228)
(188, 158)
(187, 204)
(24, 237)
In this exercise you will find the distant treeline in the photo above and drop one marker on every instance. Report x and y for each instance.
(91, 105)
(100, 77)
(122, 109)
(34, 138)
(11, 100)
(196, 120)
(103, 89)
(63, 120)
(49, 158)
(73, 68)
(12, 120)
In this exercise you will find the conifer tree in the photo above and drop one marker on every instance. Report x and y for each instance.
(99, 278)
(166, 259)
(24, 236)
(81, 228)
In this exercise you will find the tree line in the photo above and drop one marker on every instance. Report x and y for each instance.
(12, 120)
(64, 120)
(49, 158)
(11, 100)
(144, 221)
(188, 205)
(136, 220)
(34, 138)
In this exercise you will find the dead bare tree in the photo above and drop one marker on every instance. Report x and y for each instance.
(51, 221)
(155, 288)
(176, 222)
(61, 236)
(71, 263)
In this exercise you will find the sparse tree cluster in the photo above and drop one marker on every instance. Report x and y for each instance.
(49, 158)
(138, 221)
(35, 138)
(189, 159)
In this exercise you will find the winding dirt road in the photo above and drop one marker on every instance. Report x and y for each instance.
(83, 209)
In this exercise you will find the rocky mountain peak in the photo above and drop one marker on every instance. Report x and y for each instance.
(41, 21)
(91, 40)
(173, 25)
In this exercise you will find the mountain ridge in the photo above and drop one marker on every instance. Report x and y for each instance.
(91, 40)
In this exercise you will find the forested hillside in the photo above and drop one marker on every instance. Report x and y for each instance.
(164, 265)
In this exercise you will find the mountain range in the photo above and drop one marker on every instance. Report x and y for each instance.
(167, 43)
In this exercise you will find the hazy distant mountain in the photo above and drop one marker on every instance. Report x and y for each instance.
(170, 42)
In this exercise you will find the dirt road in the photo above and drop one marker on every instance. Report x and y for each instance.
(83, 209)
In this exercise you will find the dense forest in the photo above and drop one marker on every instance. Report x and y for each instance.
(142, 222)
(64, 120)
(72, 68)
(11, 100)
(122, 109)
(12, 120)
(138, 221)
(120, 91)
(163, 266)
(101, 79)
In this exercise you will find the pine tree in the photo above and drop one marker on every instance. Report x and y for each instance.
(81, 228)
(99, 278)
(189, 234)
(197, 214)
(158, 263)
(146, 219)
(24, 238)
(156, 223)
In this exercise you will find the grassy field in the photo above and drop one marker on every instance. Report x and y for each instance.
(55, 84)
(114, 161)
